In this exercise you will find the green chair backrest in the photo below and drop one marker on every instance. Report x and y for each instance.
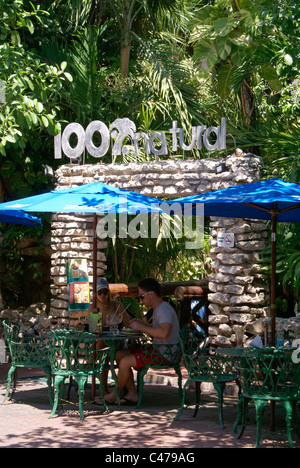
(204, 364)
(26, 351)
(269, 372)
(74, 352)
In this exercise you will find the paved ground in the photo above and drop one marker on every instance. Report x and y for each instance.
(24, 421)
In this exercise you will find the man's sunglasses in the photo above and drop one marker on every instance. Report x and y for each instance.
(141, 297)
(103, 291)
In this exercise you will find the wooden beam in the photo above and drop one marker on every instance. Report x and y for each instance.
(190, 288)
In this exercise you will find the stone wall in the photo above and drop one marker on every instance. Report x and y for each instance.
(237, 292)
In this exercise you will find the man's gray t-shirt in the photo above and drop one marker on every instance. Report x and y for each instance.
(164, 313)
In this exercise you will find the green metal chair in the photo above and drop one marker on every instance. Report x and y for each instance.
(204, 365)
(25, 352)
(159, 357)
(268, 374)
(73, 354)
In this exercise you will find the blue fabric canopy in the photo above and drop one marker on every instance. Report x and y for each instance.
(255, 201)
(95, 197)
(272, 199)
(19, 217)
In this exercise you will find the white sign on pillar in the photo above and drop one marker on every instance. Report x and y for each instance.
(226, 239)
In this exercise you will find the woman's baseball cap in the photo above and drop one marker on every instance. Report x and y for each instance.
(102, 283)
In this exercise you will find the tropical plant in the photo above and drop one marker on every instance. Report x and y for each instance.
(30, 100)
(287, 266)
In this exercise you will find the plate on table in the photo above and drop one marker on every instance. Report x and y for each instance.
(130, 331)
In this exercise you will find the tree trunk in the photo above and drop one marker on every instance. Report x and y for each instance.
(125, 48)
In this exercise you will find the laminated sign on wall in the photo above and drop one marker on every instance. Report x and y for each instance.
(78, 285)
(226, 239)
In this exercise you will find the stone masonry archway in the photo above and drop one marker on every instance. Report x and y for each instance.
(237, 294)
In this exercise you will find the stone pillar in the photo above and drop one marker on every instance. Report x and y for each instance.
(238, 292)
(72, 237)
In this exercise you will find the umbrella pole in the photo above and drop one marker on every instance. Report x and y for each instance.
(94, 287)
(95, 262)
(273, 277)
(273, 302)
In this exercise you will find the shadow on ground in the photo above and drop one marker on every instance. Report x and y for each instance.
(24, 422)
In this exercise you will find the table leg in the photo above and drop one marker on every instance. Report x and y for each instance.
(93, 377)
(93, 387)
(112, 354)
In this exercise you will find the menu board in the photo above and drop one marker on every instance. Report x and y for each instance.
(78, 284)
(77, 269)
(79, 293)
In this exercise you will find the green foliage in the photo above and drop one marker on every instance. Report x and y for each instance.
(17, 268)
(32, 91)
(287, 263)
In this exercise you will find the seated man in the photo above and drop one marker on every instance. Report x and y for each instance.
(164, 330)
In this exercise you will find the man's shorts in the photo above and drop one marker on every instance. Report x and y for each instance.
(144, 357)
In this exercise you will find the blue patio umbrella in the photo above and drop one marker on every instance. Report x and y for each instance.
(19, 217)
(273, 199)
(96, 198)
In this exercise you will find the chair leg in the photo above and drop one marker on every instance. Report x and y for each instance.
(81, 380)
(141, 373)
(11, 377)
(198, 393)
(182, 401)
(101, 380)
(242, 414)
(289, 408)
(178, 372)
(58, 382)
(220, 387)
(260, 408)
(296, 418)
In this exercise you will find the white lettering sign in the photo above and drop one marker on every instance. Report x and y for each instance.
(125, 128)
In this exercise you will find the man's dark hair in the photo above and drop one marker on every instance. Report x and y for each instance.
(150, 284)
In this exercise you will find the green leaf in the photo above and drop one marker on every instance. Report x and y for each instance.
(269, 73)
(224, 26)
(288, 59)
(30, 26)
(39, 107)
(68, 76)
(223, 47)
(206, 50)
(45, 121)
(8, 168)
(10, 138)
(224, 80)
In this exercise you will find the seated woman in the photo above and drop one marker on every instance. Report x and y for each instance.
(106, 307)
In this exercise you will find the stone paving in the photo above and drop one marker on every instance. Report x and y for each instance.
(24, 422)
